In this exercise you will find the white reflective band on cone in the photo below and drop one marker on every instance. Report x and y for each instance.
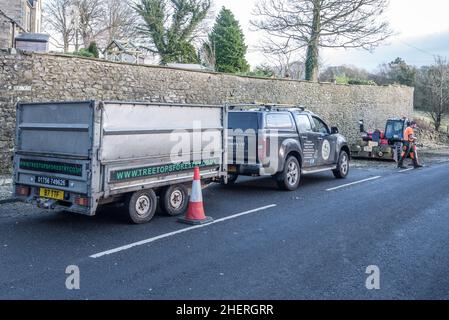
(196, 195)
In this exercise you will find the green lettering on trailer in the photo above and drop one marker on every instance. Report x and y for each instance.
(52, 167)
(145, 172)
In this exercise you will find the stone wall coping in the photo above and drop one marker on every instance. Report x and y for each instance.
(69, 56)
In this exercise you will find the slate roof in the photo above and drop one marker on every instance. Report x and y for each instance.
(33, 37)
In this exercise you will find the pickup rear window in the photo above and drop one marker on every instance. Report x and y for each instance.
(243, 120)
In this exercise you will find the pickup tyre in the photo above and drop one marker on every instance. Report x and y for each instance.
(342, 170)
(232, 178)
(289, 178)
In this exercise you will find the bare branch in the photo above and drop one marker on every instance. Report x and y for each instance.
(322, 24)
(58, 17)
(435, 80)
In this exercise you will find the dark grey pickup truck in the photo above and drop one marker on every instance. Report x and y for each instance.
(284, 143)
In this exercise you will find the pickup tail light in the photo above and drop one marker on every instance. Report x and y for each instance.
(262, 148)
(22, 191)
(82, 201)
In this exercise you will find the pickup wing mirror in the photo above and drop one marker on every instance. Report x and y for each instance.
(334, 130)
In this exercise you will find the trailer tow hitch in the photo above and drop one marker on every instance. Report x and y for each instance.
(46, 203)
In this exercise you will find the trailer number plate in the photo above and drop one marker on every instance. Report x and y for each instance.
(51, 194)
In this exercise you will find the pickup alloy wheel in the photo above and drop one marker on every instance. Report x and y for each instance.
(343, 166)
(290, 177)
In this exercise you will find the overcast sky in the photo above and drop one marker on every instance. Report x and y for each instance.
(422, 28)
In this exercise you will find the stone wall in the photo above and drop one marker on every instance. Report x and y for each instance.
(15, 84)
(44, 77)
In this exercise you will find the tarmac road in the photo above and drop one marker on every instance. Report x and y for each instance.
(315, 243)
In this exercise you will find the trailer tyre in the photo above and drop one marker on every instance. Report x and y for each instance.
(174, 200)
(141, 206)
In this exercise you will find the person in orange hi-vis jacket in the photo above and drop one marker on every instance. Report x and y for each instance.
(409, 148)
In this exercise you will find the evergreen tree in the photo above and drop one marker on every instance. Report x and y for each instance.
(93, 49)
(228, 43)
(402, 73)
(182, 52)
(397, 71)
(170, 26)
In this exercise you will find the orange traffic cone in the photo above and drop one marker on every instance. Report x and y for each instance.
(195, 213)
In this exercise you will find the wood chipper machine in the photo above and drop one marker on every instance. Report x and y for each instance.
(381, 145)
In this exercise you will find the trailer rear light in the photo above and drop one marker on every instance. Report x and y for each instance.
(22, 191)
(82, 201)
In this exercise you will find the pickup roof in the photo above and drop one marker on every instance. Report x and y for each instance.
(284, 143)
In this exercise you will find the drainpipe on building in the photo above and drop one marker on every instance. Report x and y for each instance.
(13, 44)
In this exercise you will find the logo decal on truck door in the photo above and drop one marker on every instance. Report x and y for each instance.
(326, 150)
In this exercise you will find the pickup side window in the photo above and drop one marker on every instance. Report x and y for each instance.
(303, 122)
(279, 121)
(320, 126)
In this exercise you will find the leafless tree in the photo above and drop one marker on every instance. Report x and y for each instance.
(330, 73)
(207, 54)
(315, 24)
(90, 15)
(435, 80)
(297, 70)
(58, 17)
(118, 22)
(285, 62)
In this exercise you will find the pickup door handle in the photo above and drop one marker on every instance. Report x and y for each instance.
(320, 138)
(304, 137)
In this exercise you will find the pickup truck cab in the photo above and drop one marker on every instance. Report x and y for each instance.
(284, 143)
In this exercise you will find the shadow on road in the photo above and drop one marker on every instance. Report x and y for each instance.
(249, 184)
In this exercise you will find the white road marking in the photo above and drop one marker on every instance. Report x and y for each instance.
(353, 183)
(405, 170)
(170, 234)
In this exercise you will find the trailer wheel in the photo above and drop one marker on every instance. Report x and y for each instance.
(175, 199)
(141, 206)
